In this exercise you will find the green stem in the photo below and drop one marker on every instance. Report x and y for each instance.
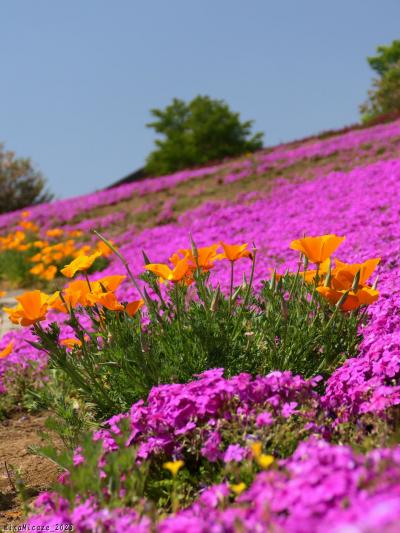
(124, 262)
(231, 288)
(178, 310)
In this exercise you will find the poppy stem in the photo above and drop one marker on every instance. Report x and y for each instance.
(124, 262)
(178, 310)
(88, 282)
(231, 288)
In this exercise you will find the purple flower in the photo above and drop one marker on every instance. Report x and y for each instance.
(234, 452)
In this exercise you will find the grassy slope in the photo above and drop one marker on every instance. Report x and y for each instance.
(193, 193)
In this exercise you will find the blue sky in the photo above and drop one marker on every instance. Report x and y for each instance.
(79, 77)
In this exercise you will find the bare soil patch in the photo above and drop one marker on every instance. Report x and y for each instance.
(17, 434)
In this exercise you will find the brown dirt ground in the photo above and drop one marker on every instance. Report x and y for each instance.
(16, 435)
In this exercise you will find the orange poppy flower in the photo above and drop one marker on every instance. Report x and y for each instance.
(233, 252)
(54, 232)
(40, 244)
(364, 296)
(7, 350)
(310, 276)
(71, 343)
(75, 293)
(49, 273)
(106, 299)
(110, 283)
(104, 249)
(29, 226)
(344, 273)
(206, 257)
(32, 307)
(178, 273)
(133, 307)
(81, 263)
(2, 293)
(37, 269)
(317, 249)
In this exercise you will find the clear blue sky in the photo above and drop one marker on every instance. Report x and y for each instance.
(78, 77)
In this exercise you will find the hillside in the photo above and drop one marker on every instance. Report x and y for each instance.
(337, 469)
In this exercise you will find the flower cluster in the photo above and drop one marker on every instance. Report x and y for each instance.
(178, 418)
(320, 488)
(49, 249)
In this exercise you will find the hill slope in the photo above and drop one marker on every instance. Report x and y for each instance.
(349, 185)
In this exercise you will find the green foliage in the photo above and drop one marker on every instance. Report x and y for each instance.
(85, 479)
(386, 58)
(193, 328)
(147, 487)
(70, 418)
(384, 97)
(197, 132)
(125, 482)
(20, 184)
(14, 268)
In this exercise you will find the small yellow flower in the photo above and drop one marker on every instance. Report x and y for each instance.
(264, 461)
(173, 466)
(237, 488)
(256, 449)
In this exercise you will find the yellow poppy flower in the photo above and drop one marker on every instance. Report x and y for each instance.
(317, 249)
(81, 263)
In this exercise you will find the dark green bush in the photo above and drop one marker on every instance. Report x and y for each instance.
(197, 132)
(20, 184)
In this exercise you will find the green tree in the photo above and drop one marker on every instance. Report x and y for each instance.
(197, 132)
(20, 184)
(384, 96)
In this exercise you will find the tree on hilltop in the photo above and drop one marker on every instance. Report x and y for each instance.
(197, 132)
(384, 97)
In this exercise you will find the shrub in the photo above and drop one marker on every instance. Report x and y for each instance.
(20, 184)
(197, 132)
(116, 357)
